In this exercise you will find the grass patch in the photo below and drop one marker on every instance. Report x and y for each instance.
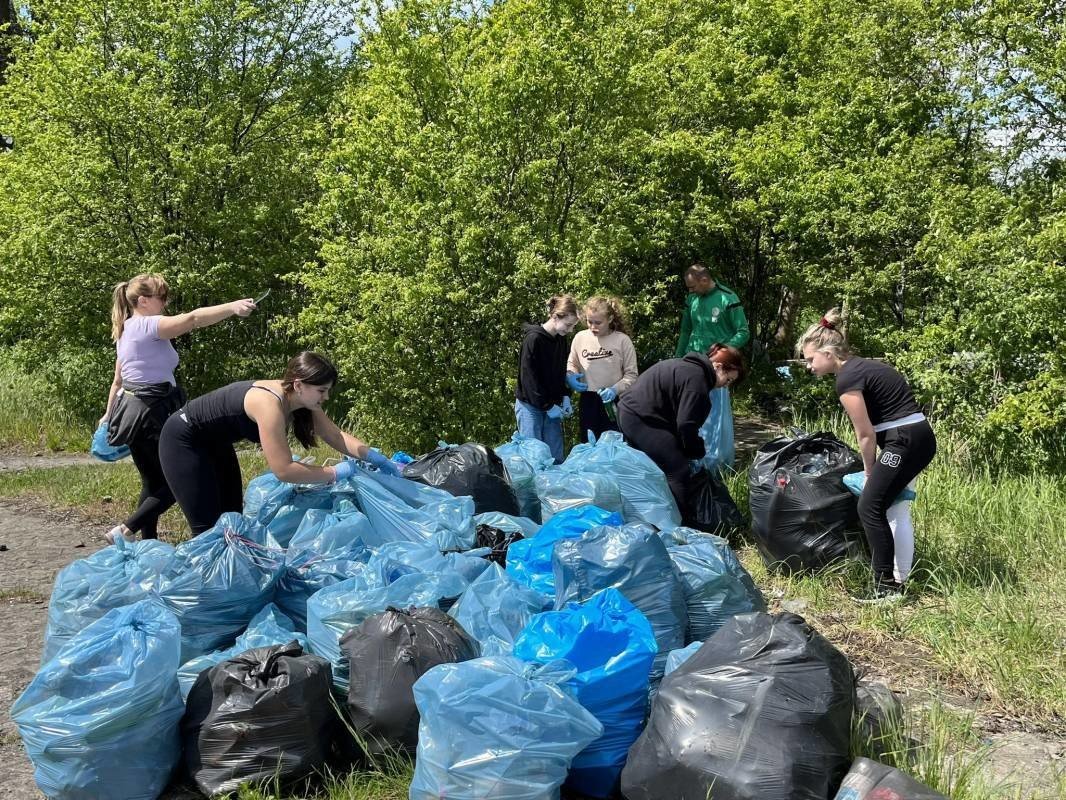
(988, 591)
(22, 594)
(32, 416)
(104, 493)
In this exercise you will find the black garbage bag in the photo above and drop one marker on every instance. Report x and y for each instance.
(261, 716)
(878, 715)
(468, 469)
(802, 515)
(498, 539)
(386, 654)
(762, 711)
(715, 510)
(870, 780)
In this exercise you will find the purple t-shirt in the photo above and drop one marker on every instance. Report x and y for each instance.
(142, 356)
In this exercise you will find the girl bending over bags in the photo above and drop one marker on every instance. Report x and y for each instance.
(196, 446)
(885, 415)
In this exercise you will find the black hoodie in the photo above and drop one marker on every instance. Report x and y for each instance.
(674, 395)
(542, 368)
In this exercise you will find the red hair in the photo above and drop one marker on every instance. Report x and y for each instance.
(730, 358)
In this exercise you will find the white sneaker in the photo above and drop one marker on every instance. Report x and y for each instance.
(117, 533)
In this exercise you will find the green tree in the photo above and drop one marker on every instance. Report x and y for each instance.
(171, 136)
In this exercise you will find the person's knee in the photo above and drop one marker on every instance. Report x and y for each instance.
(872, 508)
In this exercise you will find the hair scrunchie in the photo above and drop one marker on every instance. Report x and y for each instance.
(827, 324)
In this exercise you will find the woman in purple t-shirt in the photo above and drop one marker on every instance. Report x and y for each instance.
(145, 392)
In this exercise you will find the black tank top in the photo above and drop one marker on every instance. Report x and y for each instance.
(220, 414)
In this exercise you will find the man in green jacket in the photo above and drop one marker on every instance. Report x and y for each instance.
(713, 314)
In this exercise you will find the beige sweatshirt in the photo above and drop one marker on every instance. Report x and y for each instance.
(609, 360)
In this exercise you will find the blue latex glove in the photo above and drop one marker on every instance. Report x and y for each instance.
(609, 395)
(856, 481)
(555, 412)
(379, 460)
(568, 407)
(576, 381)
(343, 470)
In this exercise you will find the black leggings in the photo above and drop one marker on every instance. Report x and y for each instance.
(593, 417)
(205, 476)
(156, 496)
(904, 453)
(662, 447)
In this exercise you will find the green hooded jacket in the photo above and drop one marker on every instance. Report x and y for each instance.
(714, 317)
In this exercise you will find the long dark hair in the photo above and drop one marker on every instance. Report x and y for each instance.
(313, 369)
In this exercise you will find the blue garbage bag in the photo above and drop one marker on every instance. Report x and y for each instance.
(268, 628)
(716, 584)
(646, 496)
(324, 551)
(101, 718)
(506, 522)
(102, 450)
(497, 727)
(612, 646)
(855, 481)
(495, 608)
(633, 560)
(524, 457)
(717, 432)
(116, 576)
(333, 611)
(237, 577)
(560, 489)
(395, 559)
(529, 561)
(403, 510)
(280, 507)
(676, 658)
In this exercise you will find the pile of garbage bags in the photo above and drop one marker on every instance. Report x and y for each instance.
(435, 615)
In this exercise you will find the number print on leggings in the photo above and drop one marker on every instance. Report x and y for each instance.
(891, 459)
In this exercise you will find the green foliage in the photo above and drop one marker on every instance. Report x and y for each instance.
(168, 136)
(412, 206)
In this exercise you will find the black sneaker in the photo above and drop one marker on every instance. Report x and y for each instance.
(881, 594)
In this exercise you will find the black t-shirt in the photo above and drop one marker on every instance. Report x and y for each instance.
(887, 394)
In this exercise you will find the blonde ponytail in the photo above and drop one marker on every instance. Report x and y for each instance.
(125, 295)
(826, 335)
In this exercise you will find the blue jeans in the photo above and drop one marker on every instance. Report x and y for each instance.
(536, 424)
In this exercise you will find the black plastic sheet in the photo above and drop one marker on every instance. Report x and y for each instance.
(762, 711)
(498, 540)
(715, 510)
(386, 654)
(467, 469)
(803, 517)
(263, 716)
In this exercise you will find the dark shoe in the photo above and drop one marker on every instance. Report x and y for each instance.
(881, 594)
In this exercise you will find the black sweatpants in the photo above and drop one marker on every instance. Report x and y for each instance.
(593, 417)
(156, 496)
(204, 475)
(663, 447)
(904, 452)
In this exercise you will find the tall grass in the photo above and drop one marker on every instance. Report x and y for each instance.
(33, 417)
(988, 591)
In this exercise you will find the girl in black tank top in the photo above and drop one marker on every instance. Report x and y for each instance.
(196, 445)
(884, 413)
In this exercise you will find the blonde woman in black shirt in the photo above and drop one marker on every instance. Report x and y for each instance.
(895, 440)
